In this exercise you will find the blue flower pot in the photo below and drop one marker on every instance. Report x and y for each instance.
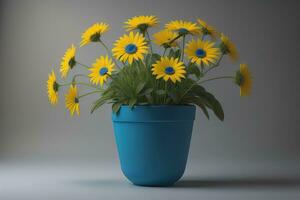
(153, 142)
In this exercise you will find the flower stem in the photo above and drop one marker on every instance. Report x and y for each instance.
(80, 83)
(109, 53)
(199, 82)
(216, 78)
(216, 65)
(183, 44)
(85, 66)
(165, 52)
(79, 75)
(177, 37)
(166, 89)
(149, 41)
(86, 94)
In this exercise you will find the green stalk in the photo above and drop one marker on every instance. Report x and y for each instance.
(166, 89)
(109, 53)
(200, 82)
(86, 94)
(183, 44)
(216, 65)
(79, 83)
(216, 78)
(164, 52)
(85, 66)
(177, 37)
(149, 41)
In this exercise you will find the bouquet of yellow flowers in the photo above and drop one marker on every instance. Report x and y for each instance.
(135, 73)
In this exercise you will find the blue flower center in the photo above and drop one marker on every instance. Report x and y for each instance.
(131, 48)
(183, 31)
(200, 53)
(103, 71)
(169, 70)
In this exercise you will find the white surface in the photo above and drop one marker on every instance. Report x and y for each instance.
(89, 181)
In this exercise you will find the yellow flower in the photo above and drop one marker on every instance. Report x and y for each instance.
(169, 68)
(72, 100)
(208, 29)
(52, 88)
(244, 80)
(202, 52)
(93, 33)
(141, 22)
(68, 61)
(183, 27)
(101, 69)
(130, 47)
(227, 47)
(164, 37)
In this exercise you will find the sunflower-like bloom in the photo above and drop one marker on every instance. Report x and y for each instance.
(72, 100)
(93, 33)
(101, 69)
(227, 47)
(169, 68)
(68, 61)
(52, 88)
(164, 37)
(183, 27)
(244, 80)
(130, 47)
(207, 29)
(202, 52)
(141, 22)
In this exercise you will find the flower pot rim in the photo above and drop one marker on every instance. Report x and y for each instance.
(157, 106)
(155, 113)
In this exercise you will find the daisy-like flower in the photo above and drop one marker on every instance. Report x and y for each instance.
(244, 80)
(68, 61)
(202, 52)
(183, 27)
(101, 69)
(164, 37)
(93, 33)
(141, 23)
(227, 47)
(52, 88)
(72, 100)
(207, 29)
(130, 47)
(169, 68)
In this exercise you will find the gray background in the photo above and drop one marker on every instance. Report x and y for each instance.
(263, 128)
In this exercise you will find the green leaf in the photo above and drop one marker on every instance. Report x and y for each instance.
(174, 96)
(177, 53)
(198, 90)
(215, 105)
(171, 52)
(116, 107)
(147, 91)
(194, 69)
(202, 106)
(132, 102)
(199, 103)
(174, 53)
(140, 87)
(155, 57)
(99, 103)
(149, 98)
(160, 92)
(147, 59)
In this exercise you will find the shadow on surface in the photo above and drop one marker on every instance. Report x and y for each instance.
(99, 183)
(201, 182)
(247, 182)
